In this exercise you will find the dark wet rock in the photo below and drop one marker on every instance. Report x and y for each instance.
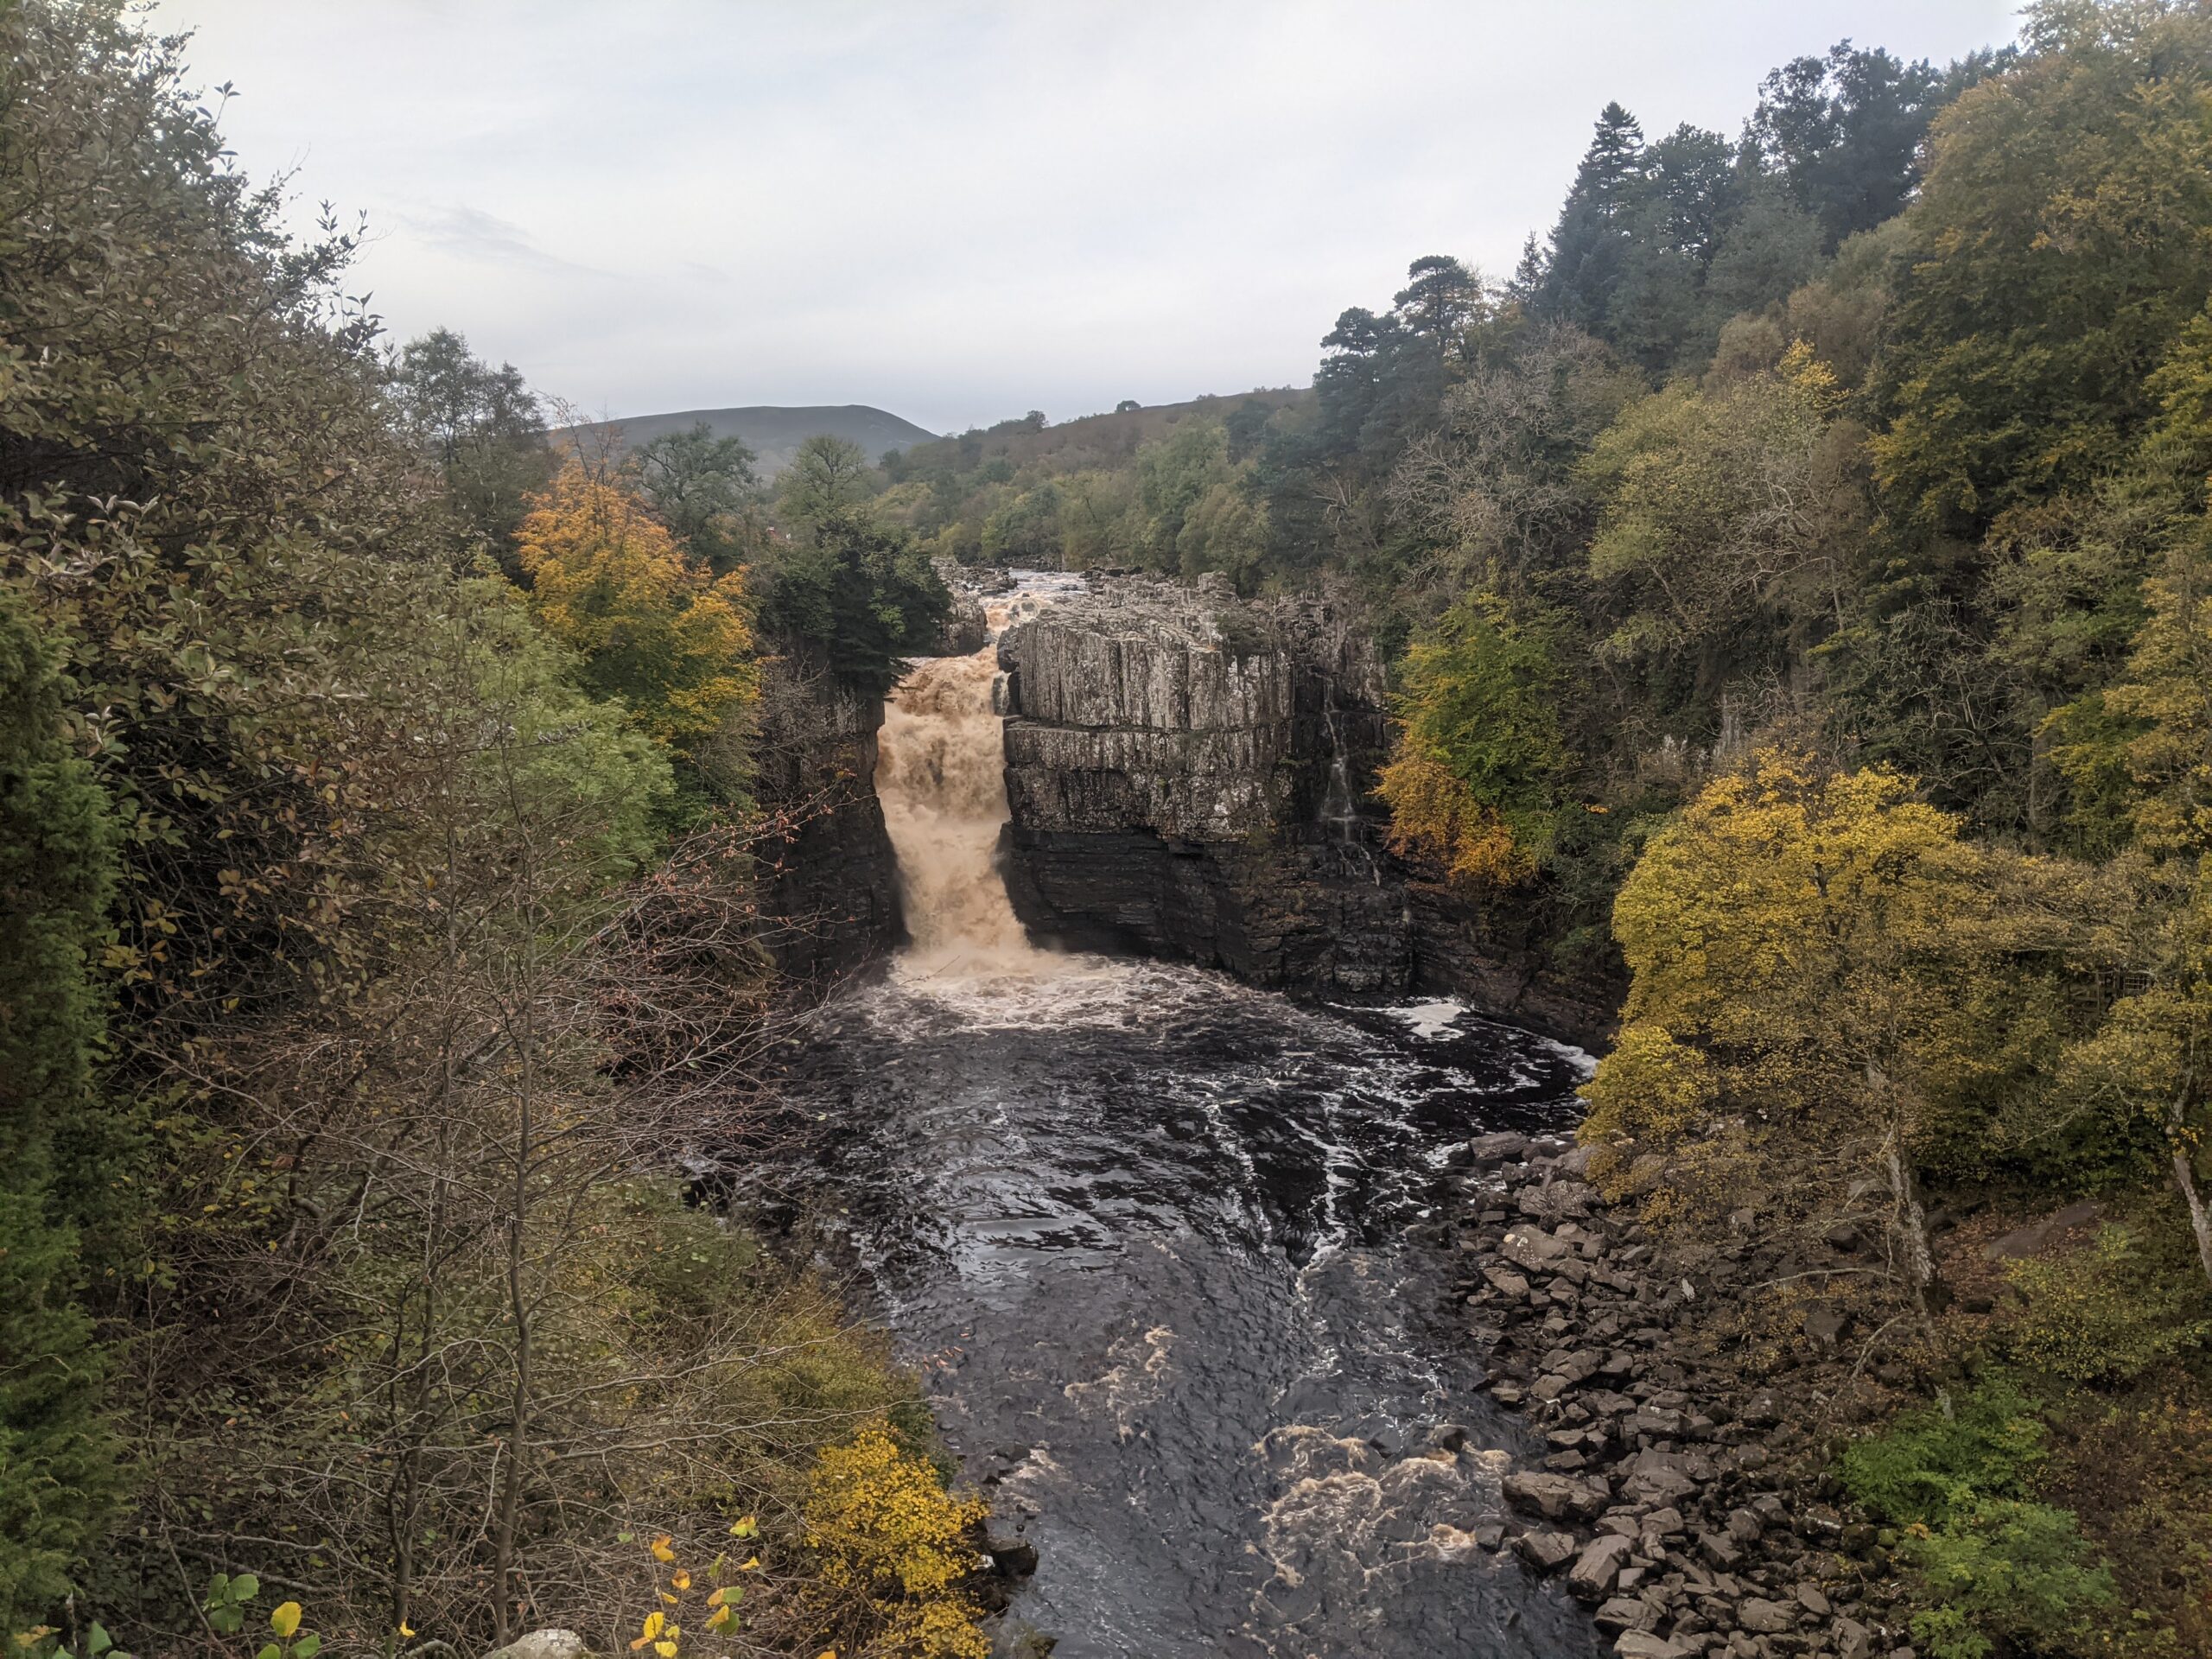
(1547, 1552)
(1597, 1566)
(1556, 1497)
(829, 877)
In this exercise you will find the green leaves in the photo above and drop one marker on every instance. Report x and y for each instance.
(226, 1599)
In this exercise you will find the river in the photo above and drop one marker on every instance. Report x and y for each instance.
(1163, 1248)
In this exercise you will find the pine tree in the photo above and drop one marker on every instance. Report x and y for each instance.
(57, 1465)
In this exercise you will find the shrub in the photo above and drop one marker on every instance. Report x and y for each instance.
(887, 1532)
(2104, 1313)
(1992, 1564)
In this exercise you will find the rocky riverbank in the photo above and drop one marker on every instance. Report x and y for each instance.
(1686, 1505)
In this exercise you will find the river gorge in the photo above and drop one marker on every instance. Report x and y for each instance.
(1162, 1244)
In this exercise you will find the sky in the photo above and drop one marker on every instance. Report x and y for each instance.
(959, 210)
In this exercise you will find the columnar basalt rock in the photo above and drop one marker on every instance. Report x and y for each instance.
(1186, 776)
(829, 881)
(1190, 776)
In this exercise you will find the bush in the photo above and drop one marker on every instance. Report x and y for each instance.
(1928, 1466)
(887, 1532)
(1992, 1564)
(2105, 1313)
(2020, 1572)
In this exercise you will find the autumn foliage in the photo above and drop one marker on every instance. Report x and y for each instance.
(655, 629)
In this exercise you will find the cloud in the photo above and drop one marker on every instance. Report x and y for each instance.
(961, 210)
(472, 234)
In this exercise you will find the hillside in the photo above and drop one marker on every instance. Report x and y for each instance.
(1162, 486)
(774, 434)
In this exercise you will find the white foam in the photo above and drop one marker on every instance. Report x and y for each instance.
(1428, 1020)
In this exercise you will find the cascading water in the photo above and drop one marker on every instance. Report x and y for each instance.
(1156, 1241)
(941, 776)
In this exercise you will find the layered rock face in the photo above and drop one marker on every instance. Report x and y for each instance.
(1188, 776)
(829, 881)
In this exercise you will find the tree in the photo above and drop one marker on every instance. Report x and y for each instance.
(1844, 131)
(705, 490)
(482, 426)
(827, 478)
(860, 593)
(663, 634)
(1725, 518)
(2061, 241)
(1591, 239)
(58, 1470)
(1811, 970)
(1478, 754)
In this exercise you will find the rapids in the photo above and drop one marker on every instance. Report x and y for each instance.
(1157, 1241)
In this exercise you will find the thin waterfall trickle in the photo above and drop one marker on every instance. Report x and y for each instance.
(1338, 810)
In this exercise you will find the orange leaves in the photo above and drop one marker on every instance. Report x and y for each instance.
(655, 629)
(1432, 812)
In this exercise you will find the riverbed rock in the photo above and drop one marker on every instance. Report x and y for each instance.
(1547, 1552)
(1765, 1617)
(1595, 1569)
(1556, 1497)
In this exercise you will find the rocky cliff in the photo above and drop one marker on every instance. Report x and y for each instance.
(830, 882)
(1189, 776)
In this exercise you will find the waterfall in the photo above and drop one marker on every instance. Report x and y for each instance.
(941, 776)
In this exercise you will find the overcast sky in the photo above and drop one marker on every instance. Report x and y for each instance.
(959, 211)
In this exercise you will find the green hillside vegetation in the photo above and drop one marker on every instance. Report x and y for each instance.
(1167, 489)
(376, 929)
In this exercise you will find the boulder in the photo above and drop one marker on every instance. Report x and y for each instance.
(1487, 1151)
(1642, 1644)
(545, 1644)
(1591, 1577)
(1507, 1282)
(1556, 1497)
(1765, 1617)
(1545, 1551)
(1536, 1249)
(1622, 1613)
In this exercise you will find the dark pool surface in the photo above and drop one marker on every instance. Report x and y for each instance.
(1156, 1241)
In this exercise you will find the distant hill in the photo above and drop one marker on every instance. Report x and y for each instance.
(1111, 440)
(775, 433)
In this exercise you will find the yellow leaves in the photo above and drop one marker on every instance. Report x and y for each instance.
(1432, 812)
(661, 633)
(661, 1550)
(665, 1650)
(885, 1528)
(286, 1620)
(654, 1625)
(721, 1617)
(680, 1580)
(747, 1528)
